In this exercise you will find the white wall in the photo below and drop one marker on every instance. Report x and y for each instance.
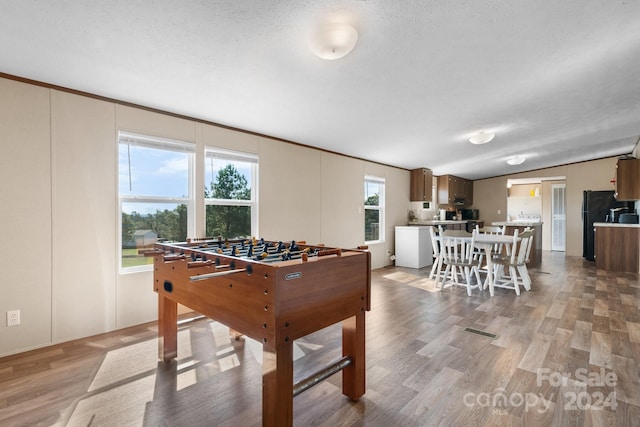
(58, 186)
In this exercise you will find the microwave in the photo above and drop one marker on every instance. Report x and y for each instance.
(470, 214)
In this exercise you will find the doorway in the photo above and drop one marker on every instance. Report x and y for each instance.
(558, 218)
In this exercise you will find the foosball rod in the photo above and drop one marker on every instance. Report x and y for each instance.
(321, 375)
(219, 274)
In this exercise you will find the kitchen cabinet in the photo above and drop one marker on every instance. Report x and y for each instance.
(455, 190)
(628, 179)
(421, 185)
(617, 248)
(467, 190)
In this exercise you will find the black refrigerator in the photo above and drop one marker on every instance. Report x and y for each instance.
(595, 208)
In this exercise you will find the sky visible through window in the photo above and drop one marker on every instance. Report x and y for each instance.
(371, 189)
(152, 172)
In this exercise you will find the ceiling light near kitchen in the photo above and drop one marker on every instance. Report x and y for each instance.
(482, 137)
(333, 41)
(517, 160)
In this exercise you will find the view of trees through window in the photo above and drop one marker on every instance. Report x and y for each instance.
(154, 191)
(371, 219)
(373, 210)
(142, 230)
(225, 219)
(168, 224)
(157, 201)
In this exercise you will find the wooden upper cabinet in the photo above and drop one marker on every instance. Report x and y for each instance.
(455, 190)
(421, 185)
(628, 179)
(467, 190)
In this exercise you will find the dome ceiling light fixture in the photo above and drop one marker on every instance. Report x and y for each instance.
(516, 160)
(481, 137)
(333, 41)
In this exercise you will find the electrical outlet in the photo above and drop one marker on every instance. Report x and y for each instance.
(499, 211)
(13, 318)
(388, 253)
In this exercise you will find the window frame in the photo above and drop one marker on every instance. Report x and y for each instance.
(252, 203)
(380, 208)
(157, 143)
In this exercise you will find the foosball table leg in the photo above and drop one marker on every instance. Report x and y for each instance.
(277, 385)
(167, 329)
(353, 345)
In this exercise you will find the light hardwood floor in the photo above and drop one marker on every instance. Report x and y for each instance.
(572, 341)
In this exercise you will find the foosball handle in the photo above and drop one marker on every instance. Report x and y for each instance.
(326, 252)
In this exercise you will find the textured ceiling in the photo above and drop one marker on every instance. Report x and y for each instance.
(557, 81)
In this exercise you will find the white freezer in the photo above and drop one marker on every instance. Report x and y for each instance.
(413, 246)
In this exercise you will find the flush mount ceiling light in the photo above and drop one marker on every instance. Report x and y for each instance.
(333, 41)
(482, 137)
(517, 160)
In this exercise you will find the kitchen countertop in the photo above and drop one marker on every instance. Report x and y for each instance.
(434, 222)
(615, 224)
(517, 223)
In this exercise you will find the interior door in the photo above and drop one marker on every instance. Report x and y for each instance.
(558, 218)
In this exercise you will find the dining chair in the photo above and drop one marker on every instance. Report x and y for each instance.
(516, 263)
(437, 262)
(497, 248)
(458, 258)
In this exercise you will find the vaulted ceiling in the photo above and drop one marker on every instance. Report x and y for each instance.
(556, 81)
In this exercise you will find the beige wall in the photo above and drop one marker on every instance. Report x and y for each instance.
(25, 194)
(490, 195)
(58, 186)
(84, 162)
(294, 175)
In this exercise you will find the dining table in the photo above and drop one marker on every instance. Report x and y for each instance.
(486, 243)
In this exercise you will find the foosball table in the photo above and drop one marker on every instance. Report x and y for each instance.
(275, 293)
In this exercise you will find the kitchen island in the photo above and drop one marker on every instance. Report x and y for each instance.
(617, 246)
(535, 257)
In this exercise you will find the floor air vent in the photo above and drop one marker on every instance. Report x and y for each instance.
(479, 332)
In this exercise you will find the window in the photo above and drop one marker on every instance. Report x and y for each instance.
(155, 189)
(373, 209)
(230, 192)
